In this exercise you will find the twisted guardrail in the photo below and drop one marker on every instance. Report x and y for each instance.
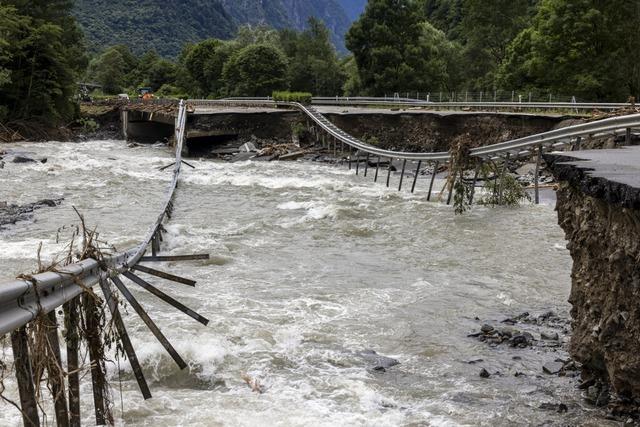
(521, 146)
(35, 299)
(22, 300)
(527, 146)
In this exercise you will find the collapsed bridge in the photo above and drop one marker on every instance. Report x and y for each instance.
(24, 301)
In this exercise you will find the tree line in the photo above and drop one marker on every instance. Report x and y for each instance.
(586, 48)
(41, 56)
(258, 61)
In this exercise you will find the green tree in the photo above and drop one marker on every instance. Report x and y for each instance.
(161, 73)
(395, 50)
(446, 15)
(10, 26)
(384, 44)
(487, 31)
(109, 70)
(42, 53)
(256, 70)
(578, 47)
(313, 63)
(256, 34)
(204, 63)
(352, 85)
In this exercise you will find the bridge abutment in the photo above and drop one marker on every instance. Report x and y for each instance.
(147, 127)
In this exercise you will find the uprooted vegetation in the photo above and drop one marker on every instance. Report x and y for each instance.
(84, 320)
(500, 188)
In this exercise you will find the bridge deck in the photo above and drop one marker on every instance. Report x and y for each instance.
(610, 174)
(347, 110)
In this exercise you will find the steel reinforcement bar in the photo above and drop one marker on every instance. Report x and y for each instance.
(22, 300)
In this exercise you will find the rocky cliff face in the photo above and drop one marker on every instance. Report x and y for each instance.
(603, 231)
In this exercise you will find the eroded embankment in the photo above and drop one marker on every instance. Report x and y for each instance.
(599, 209)
(402, 131)
(421, 131)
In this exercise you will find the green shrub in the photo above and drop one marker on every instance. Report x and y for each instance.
(285, 96)
(505, 190)
(298, 129)
(170, 91)
(87, 124)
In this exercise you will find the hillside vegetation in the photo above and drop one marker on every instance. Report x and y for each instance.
(165, 26)
(573, 47)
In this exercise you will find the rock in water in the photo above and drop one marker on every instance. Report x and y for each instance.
(549, 336)
(561, 408)
(26, 159)
(552, 368)
(484, 373)
(377, 360)
(486, 328)
(522, 340)
(10, 214)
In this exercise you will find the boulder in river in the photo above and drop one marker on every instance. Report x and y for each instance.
(560, 408)
(522, 340)
(22, 157)
(10, 214)
(552, 368)
(378, 360)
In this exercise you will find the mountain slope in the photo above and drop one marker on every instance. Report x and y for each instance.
(152, 24)
(353, 8)
(165, 25)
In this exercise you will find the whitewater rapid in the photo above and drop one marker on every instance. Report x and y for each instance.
(310, 265)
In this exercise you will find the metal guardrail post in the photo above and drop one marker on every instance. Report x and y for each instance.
(26, 389)
(433, 178)
(415, 178)
(404, 165)
(536, 178)
(366, 165)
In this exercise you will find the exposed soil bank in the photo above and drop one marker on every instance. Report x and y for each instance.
(599, 210)
(420, 131)
(96, 121)
(214, 132)
(406, 131)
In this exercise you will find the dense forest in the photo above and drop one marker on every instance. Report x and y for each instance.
(583, 48)
(166, 26)
(41, 56)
